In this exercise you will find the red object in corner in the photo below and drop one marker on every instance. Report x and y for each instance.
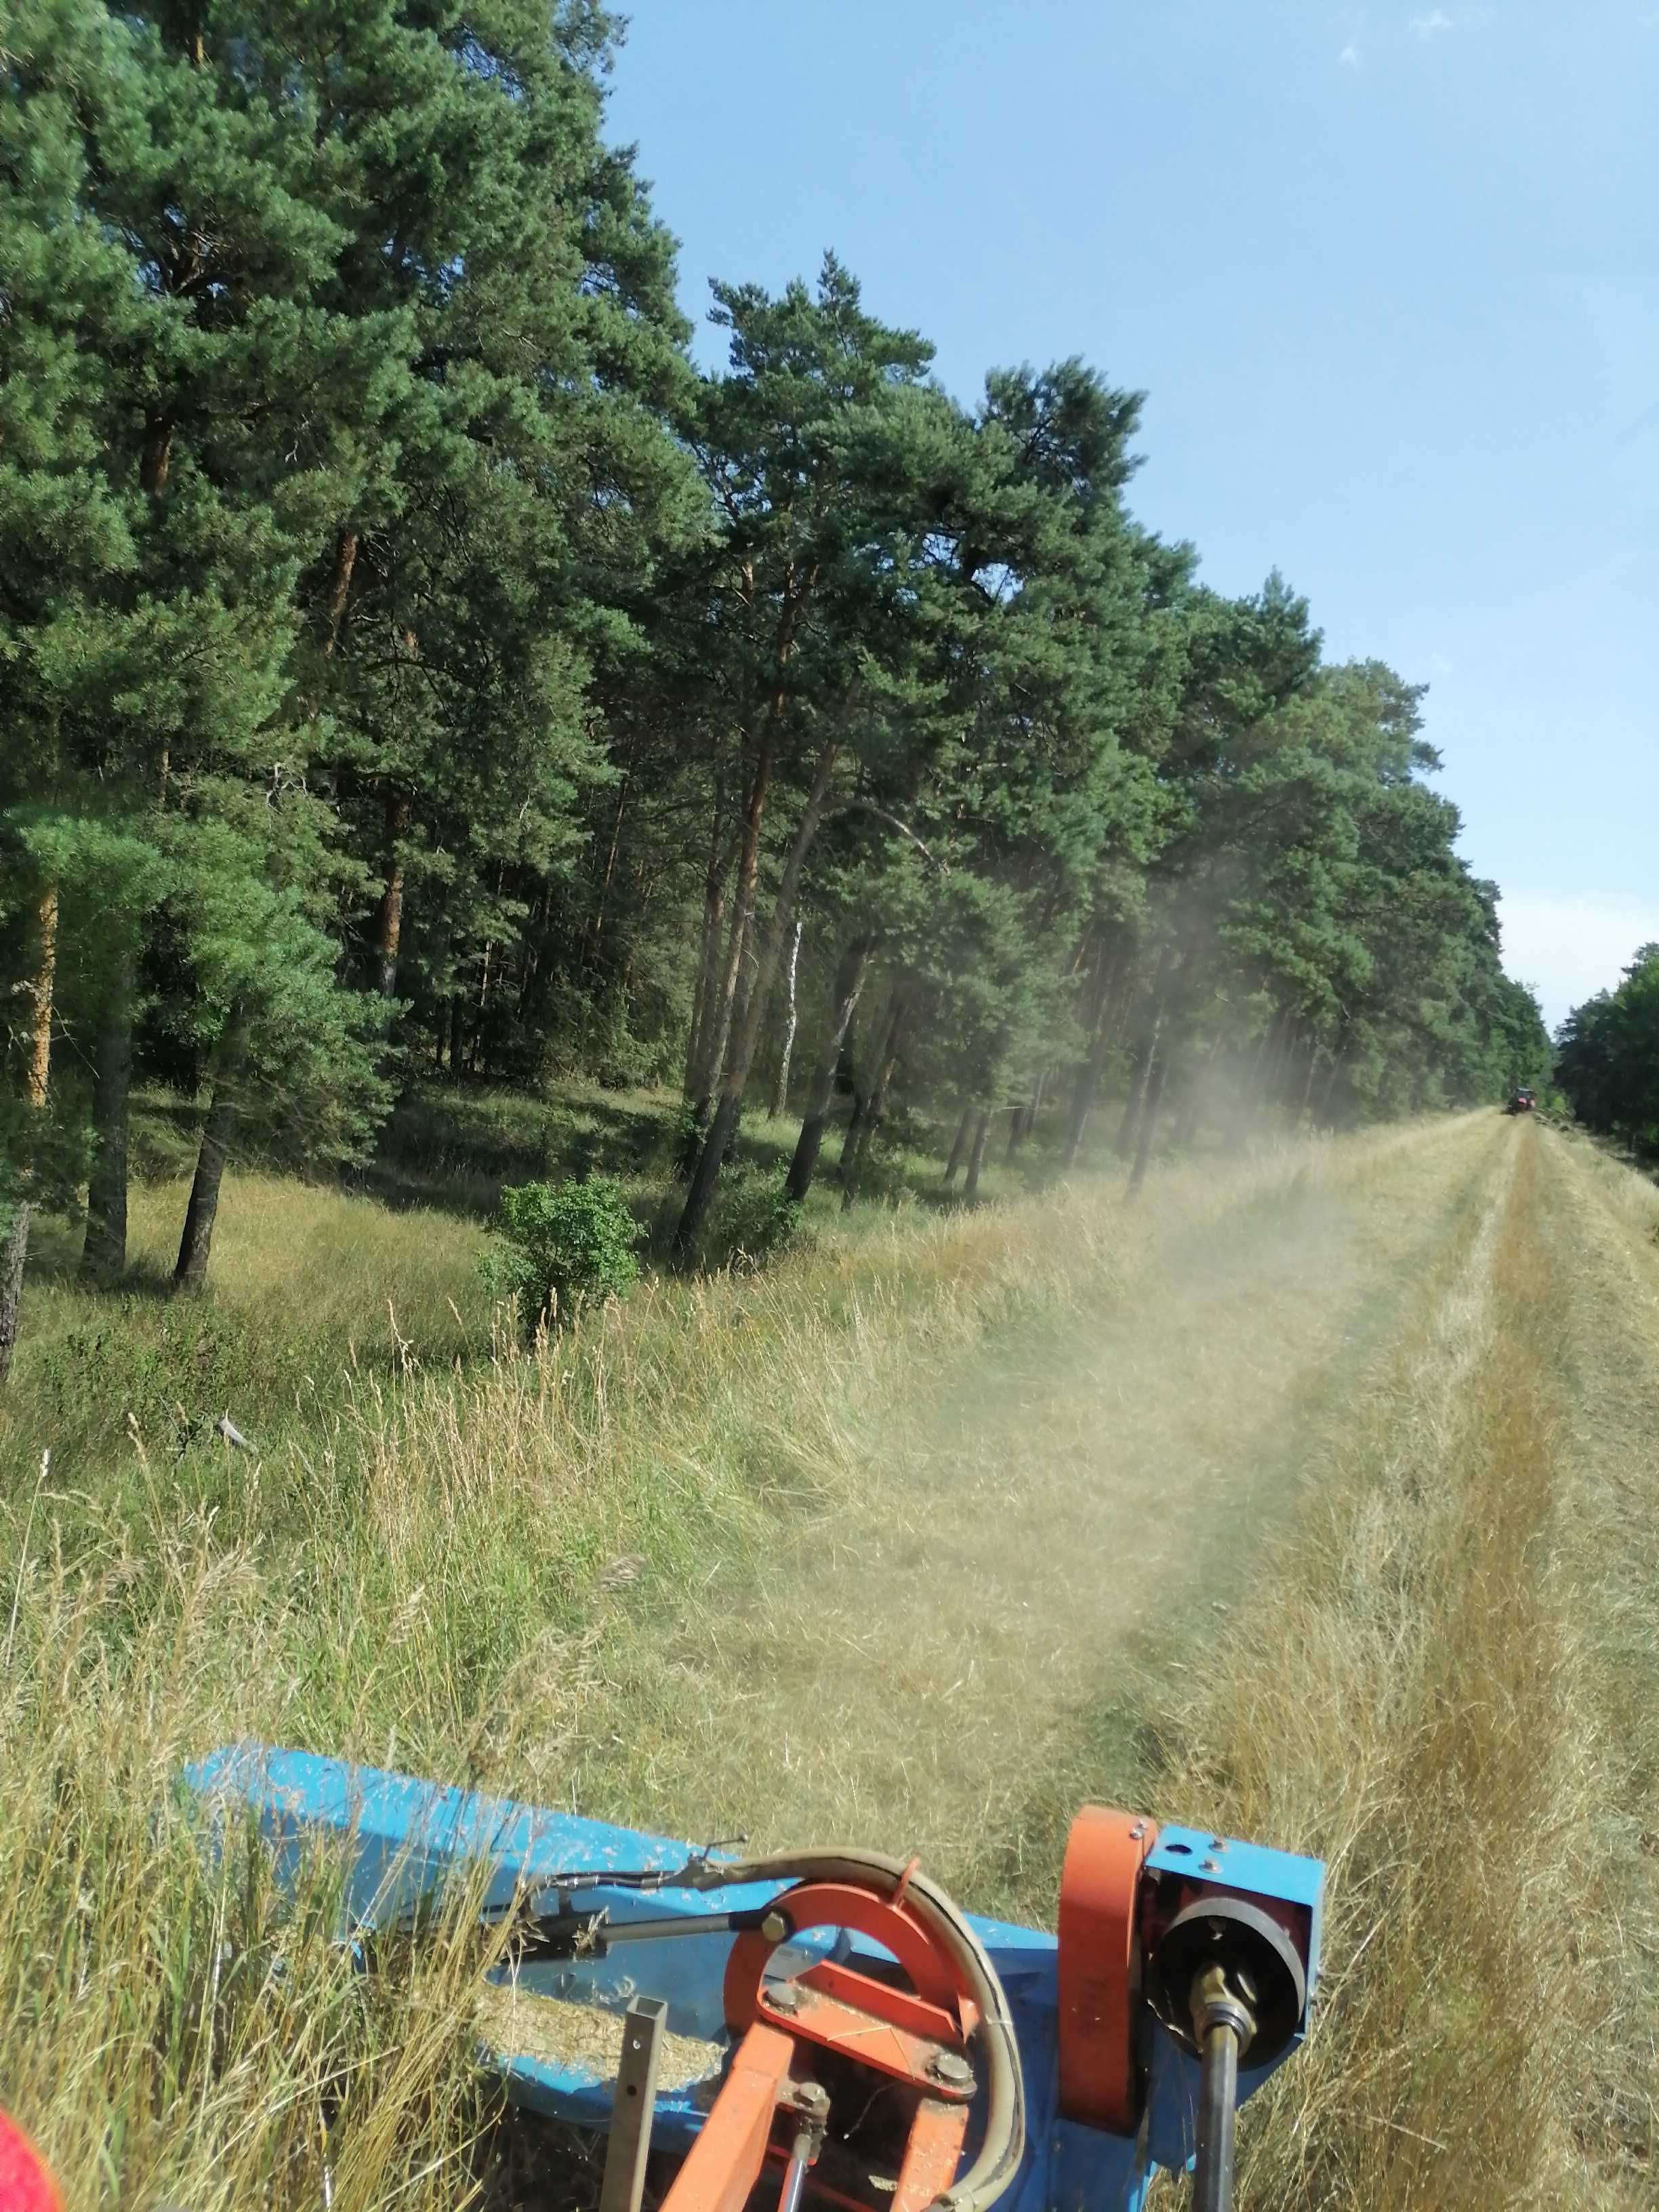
(25, 2185)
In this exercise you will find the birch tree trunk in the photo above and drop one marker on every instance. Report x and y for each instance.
(741, 1056)
(780, 1093)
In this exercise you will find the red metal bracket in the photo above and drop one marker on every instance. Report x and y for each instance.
(843, 1905)
(1099, 1968)
(913, 2038)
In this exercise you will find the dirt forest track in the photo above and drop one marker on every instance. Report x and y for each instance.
(1330, 1519)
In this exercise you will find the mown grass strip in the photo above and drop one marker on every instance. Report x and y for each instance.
(1413, 1701)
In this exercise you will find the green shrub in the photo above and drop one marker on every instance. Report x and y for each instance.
(753, 1220)
(556, 1246)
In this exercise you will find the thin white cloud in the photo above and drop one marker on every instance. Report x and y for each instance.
(1569, 946)
(1436, 22)
(1349, 57)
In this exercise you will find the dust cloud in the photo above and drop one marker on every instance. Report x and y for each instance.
(1053, 1530)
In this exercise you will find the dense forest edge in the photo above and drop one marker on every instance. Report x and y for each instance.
(417, 670)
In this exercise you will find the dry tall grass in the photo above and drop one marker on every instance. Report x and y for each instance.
(1419, 1701)
(415, 1572)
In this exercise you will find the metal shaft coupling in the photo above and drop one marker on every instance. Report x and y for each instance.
(1225, 2027)
(811, 2106)
(1225, 1979)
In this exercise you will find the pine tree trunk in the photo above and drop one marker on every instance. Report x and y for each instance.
(389, 927)
(697, 1080)
(959, 1146)
(1149, 1104)
(854, 1166)
(741, 1056)
(780, 1093)
(849, 1135)
(484, 1001)
(1089, 1075)
(1134, 1114)
(1124, 1142)
(976, 1160)
(457, 1033)
(339, 588)
(1323, 1111)
(37, 1079)
(743, 914)
(1192, 1106)
(156, 456)
(37, 1068)
(190, 1273)
(104, 1249)
(13, 1253)
(596, 935)
(850, 978)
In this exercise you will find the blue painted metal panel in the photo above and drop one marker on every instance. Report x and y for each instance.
(1255, 1870)
(404, 1837)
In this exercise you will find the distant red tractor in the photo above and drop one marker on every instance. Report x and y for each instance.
(1520, 1102)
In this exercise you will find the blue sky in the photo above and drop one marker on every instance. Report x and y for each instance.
(1388, 275)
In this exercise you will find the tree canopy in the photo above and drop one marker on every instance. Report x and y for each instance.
(410, 658)
(1607, 1057)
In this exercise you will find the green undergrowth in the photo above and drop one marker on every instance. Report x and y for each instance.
(319, 1289)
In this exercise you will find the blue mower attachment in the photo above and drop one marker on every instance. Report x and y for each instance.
(829, 2024)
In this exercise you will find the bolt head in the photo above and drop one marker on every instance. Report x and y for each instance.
(950, 2070)
(783, 1997)
(774, 1927)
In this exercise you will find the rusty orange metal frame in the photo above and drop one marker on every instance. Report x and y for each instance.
(725, 2162)
(931, 2155)
(896, 2032)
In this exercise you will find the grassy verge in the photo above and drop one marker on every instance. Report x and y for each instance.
(917, 1657)
(308, 1281)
